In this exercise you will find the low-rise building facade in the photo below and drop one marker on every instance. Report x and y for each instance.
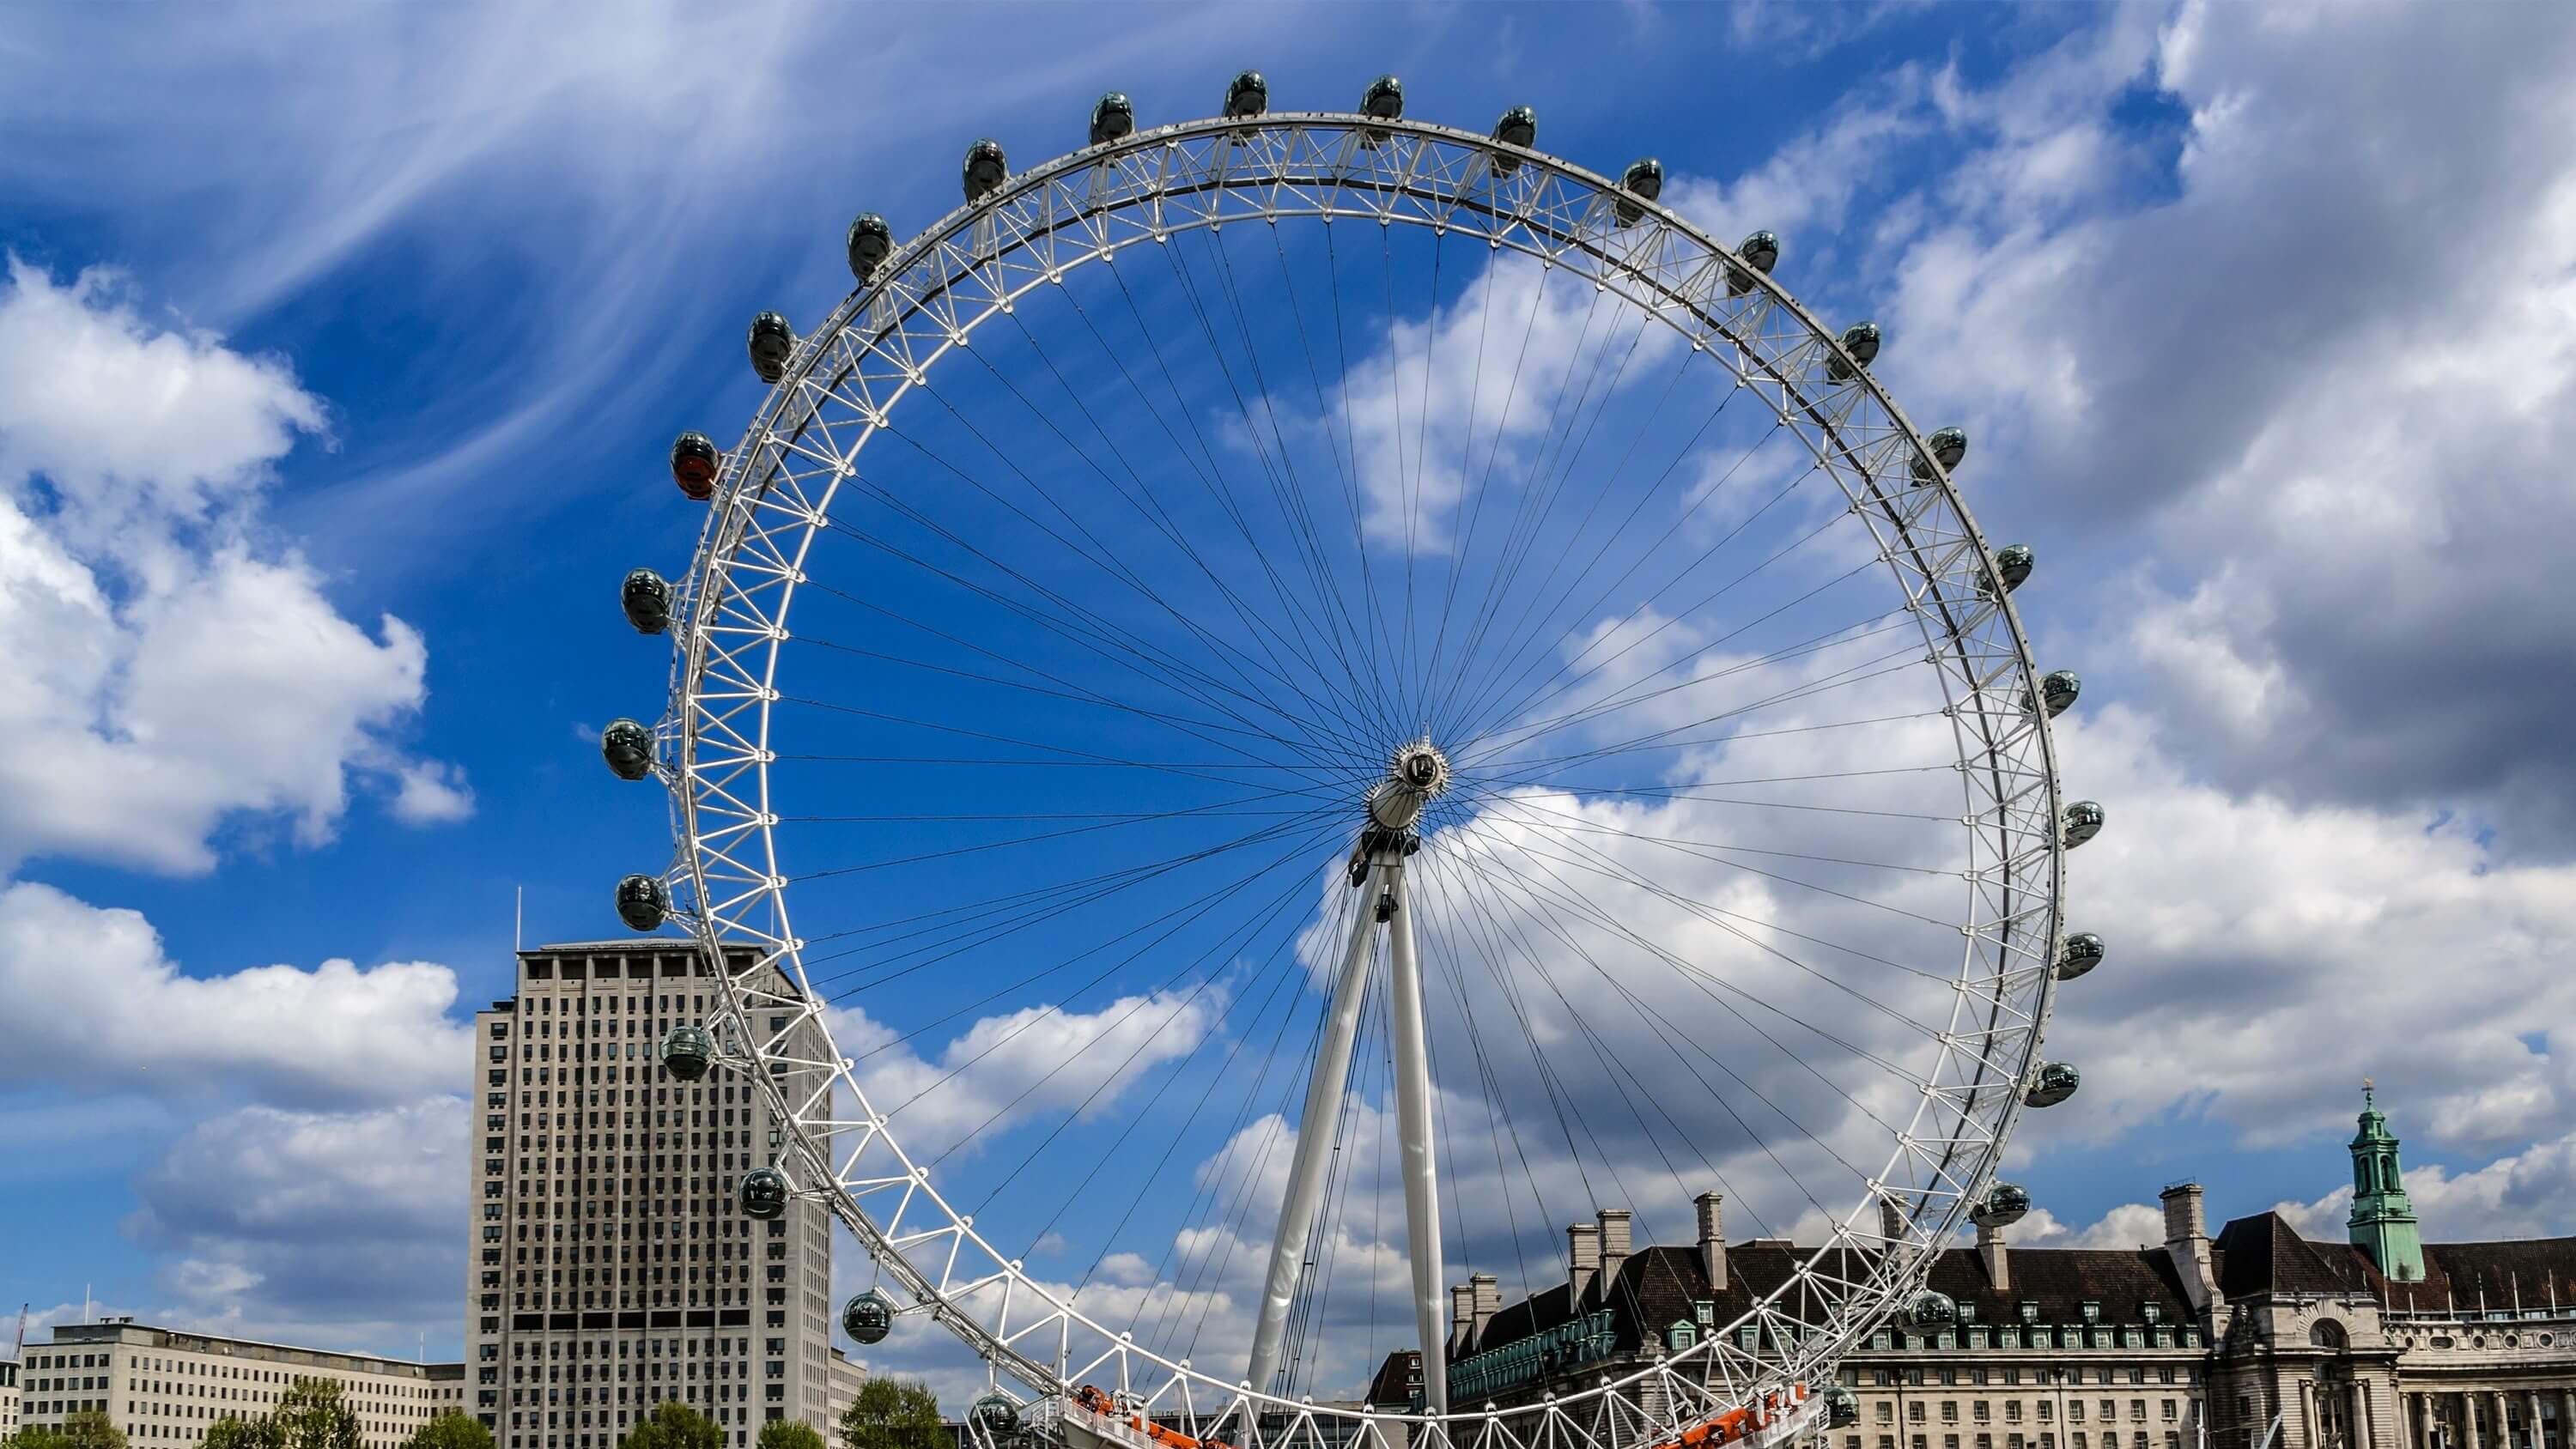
(2257, 1338)
(165, 1386)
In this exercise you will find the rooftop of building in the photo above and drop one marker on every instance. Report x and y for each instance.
(118, 1329)
(2263, 1255)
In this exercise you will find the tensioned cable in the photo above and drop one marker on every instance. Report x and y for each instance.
(1602, 916)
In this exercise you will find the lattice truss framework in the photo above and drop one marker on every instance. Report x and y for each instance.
(775, 493)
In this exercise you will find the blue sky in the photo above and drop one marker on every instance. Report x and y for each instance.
(342, 351)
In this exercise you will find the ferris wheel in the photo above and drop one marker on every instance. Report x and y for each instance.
(1279, 707)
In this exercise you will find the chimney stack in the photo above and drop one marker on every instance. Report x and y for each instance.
(1583, 1258)
(1990, 1250)
(1461, 1318)
(1891, 1218)
(2187, 1243)
(1614, 1245)
(1712, 1239)
(1484, 1300)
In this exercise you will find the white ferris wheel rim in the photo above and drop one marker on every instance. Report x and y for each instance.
(928, 297)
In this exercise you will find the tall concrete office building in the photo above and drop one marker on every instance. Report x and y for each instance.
(609, 1266)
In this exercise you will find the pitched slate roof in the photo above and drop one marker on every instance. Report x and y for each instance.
(1659, 1286)
(2263, 1255)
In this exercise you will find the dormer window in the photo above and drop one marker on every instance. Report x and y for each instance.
(2092, 1311)
(2029, 1311)
(2153, 1312)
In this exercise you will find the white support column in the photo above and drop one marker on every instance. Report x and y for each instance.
(1413, 1131)
(1315, 1137)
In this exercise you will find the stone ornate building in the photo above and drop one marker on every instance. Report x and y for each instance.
(2380, 1342)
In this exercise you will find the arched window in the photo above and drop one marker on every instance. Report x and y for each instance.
(2327, 1334)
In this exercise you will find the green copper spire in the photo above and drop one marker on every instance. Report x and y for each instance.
(2383, 1221)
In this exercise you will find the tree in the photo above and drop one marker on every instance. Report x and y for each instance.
(674, 1425)
(450, 1430)
(229, 1433)
(311, 1415)
(36, 1436)
(892, 1414)
(789, 1434)
(90, 1429)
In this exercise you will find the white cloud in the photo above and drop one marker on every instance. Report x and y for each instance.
(91, 997)
(433, 794)
(170, 674)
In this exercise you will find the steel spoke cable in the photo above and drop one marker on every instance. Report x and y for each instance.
(1193, 912)
(1337, 449)
(982, 934)
(1594, 911)
(1804, 690)
(957, 936)
(1625, 697)
(1612, 1069)
(1497, 1114)
(1466, 460)
(1208, 477)
(1221, 946)
(1636, 439)
(1610, 870)
(1145, 1183)
(1156, 515)
(1294, 491)
(1286, 492)
(1097, 636)
(1650, 1021)
(1134, 580)
(1498, 573)
(1209, 1191)
(1569, 460)
(1145, 591)
(1502, 425)
(1514, 647)
(1534, 700)
(1483, 700)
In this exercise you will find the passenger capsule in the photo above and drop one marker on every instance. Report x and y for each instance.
(1949, 445)
(2083, 822)
(687, 1052)
(1643, 178)
(2056, 692)
(2053, 1083)
(995, 1414)
(2081, 953)
(628, 748)
(646, 598)
(871, 241)
(2013, 563)
(693, 465)
(869, 1317)
(1930, 1309)
(1518, 127)
(1761, 251)
(984, 170)
(1382, 101)
(1113, 116)
(1842, 1407)
(1860, 340)
(2005, 1203)
(771, 343)
(1246, 96)
(642, 903)
(763, 1194)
